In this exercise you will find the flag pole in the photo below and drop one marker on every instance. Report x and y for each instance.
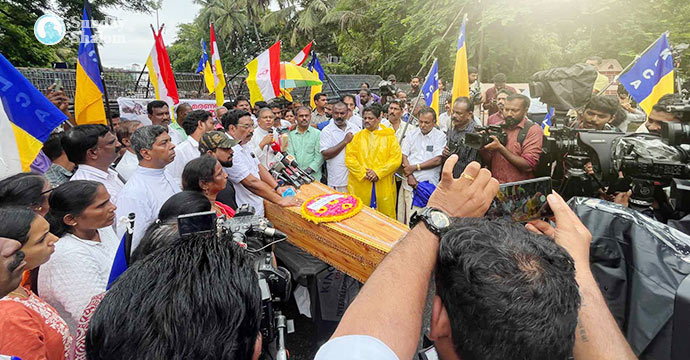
(633, 62)
(87, 6)
(412, 117)
(431, 54)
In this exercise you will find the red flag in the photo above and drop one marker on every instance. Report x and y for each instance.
(302, 55)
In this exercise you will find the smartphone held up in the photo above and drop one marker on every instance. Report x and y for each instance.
(522, 201)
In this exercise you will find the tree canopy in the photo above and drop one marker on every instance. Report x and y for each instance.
(517, 37)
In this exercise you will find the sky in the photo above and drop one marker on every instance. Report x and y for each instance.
(129, 41)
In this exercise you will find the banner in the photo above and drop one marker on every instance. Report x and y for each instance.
(135, 109)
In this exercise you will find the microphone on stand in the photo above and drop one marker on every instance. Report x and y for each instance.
(293, 163)
(280, 168)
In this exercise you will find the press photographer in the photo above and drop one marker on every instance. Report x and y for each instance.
(517, 159)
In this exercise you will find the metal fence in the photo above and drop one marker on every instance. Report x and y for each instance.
(136, 84)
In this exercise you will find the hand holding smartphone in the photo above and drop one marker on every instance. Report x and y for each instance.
(522, 201)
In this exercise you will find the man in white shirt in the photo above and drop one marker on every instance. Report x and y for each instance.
(151, 185)
(94, 148)
(352, 116)
(129, 162)
(195, 124)
(422, 156)
(446, 117)
(159, 114)
(261, 141)
(252, 182)
(334, 138)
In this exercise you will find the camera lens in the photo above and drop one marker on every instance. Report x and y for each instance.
(675, 133)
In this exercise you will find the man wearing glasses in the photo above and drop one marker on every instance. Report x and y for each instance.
(252, 182)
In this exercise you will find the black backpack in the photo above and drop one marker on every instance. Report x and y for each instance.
(543, 167)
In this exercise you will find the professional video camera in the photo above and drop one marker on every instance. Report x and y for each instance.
(386, 88)
(255, 234)
(482, 137)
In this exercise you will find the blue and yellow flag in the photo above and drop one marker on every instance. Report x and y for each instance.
(461, 81)
(546, 123)
(26, 120)
(205, 67)
(315, 67)
(652, 75)
(430, 88)
(88, 97)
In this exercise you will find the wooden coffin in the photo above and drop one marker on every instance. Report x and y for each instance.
(355, 245)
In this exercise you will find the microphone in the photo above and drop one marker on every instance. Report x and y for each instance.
(280, 178)
(280, 168)
(293, 163)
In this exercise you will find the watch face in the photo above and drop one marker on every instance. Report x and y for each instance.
(439, 219)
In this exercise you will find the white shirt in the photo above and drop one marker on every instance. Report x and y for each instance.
(331, 136)
(109, 179)
(243, 165)
(401, 128)
(285, 123)
(253, 145)
(187, 151)
(356, 120)
(419, 148)
(175, 136)
(444, 122)
(355, 347)
(144, 195)
(78, 270)
(127, 165)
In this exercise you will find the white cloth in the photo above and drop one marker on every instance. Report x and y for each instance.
(109, 179)
(285, 123)
(243, 165)
(419, 148)
(127, 165)
(175, 136)
(331, 136)
(401, 128)
(184, 153)
(144, 195)
(355, 347)
(78, 270)
(444, 122)
(405, 207)
(642, 129)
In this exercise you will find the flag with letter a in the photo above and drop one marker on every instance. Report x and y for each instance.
(652, 75)
(430, 88)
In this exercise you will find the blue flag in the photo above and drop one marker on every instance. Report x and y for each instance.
(204, 58)
(652, 75)
(546, 123)
(27, 118)
(119, 264)
(430, 88)
(372, 201)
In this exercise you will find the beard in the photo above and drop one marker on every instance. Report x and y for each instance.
(226, 164)
(511, 121)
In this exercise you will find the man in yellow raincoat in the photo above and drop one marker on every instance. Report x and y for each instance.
(372, 157)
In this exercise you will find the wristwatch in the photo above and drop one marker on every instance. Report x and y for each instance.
(436, 220)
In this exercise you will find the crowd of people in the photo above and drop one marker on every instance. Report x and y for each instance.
(503, 290)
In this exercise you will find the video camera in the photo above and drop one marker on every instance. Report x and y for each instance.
(255, 234)
(386, 88)
(482, 137)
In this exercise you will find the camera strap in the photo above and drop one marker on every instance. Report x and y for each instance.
(523, 132)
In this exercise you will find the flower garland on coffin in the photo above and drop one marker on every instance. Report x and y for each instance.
(331, 207)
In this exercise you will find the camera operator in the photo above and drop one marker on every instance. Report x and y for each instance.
(598, 114)
(461, 125)
(252, 182)
(490, 103)
(515, 161)
(659, 115)
(523, 305)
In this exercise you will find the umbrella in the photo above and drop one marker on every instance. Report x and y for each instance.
(292, 76)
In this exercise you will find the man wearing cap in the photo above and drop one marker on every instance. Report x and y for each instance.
(219, 146)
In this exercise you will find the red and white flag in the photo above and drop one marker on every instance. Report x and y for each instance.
(161, 73)
(263, 80)
(301, 57)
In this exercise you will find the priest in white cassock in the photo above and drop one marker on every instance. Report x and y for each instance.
(195, 123)
(151, 185)
(422, 151)
(260, 144)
